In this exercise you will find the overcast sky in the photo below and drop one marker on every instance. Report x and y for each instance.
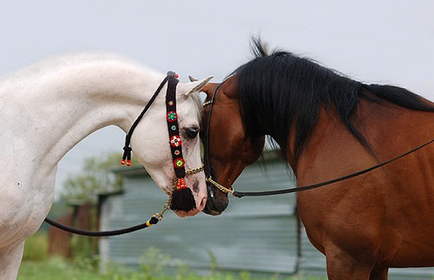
(372, 41)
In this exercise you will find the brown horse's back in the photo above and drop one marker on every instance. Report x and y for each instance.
(381, 219)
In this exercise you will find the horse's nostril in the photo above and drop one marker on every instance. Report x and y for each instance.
(203, 203)
(196, 186)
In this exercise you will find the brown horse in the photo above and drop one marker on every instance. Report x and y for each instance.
(327, 126)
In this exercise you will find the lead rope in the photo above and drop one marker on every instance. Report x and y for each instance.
(152, 221)
(126, 159)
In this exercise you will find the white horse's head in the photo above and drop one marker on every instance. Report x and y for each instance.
(151, 146)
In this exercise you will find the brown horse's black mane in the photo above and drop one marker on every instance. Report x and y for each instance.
(280, 89)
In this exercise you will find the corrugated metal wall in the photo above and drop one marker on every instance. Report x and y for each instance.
(256, 234)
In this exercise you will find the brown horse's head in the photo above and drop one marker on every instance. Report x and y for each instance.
(228, 149)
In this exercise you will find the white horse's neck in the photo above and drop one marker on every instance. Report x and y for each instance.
(64, 100)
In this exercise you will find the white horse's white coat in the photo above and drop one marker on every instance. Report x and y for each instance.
(47, 108)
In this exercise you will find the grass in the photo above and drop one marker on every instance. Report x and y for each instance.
(37, 265)
(59, 269)
(54, 269)
(36, 248)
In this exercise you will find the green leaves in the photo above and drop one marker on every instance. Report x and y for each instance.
(95, 178)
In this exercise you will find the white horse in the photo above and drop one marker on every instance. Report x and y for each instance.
(49, 107)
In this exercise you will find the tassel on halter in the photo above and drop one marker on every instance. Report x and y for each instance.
(182, 197)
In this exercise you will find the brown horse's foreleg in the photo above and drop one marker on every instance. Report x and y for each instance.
(341, 266)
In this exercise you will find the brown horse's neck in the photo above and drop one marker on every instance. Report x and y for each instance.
(385, 126)
(325, 120)
(331, 132)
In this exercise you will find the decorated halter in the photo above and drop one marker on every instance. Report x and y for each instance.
(182, 197)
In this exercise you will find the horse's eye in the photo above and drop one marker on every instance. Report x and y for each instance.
(192, 132)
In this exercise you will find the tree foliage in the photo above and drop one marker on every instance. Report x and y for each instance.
(95, 178)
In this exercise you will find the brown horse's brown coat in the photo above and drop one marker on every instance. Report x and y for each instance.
(363, 225)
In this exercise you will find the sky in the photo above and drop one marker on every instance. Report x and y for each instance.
(387, 42)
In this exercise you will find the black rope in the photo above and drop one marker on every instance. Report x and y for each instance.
(126, 157)
(314, 186)
(152, 221)
(207, 135)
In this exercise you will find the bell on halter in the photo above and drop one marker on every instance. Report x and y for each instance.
(182, 197)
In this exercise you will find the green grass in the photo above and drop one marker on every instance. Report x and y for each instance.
(59, 269)
(36, 247)
(37, 265)
(54, 269)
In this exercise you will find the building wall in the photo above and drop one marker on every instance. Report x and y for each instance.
(256, 234)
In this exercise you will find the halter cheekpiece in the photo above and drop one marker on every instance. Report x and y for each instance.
(182, 197)
(175, 139)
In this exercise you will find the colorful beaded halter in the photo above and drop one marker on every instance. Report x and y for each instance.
(182, 198)
(174, 138)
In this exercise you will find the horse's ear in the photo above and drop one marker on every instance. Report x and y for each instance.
(194, 86)
(209, 88)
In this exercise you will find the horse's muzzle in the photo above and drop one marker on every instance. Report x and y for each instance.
(217, 201)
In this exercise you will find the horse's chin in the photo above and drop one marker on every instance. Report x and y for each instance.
(183, 214)
(215, 204)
